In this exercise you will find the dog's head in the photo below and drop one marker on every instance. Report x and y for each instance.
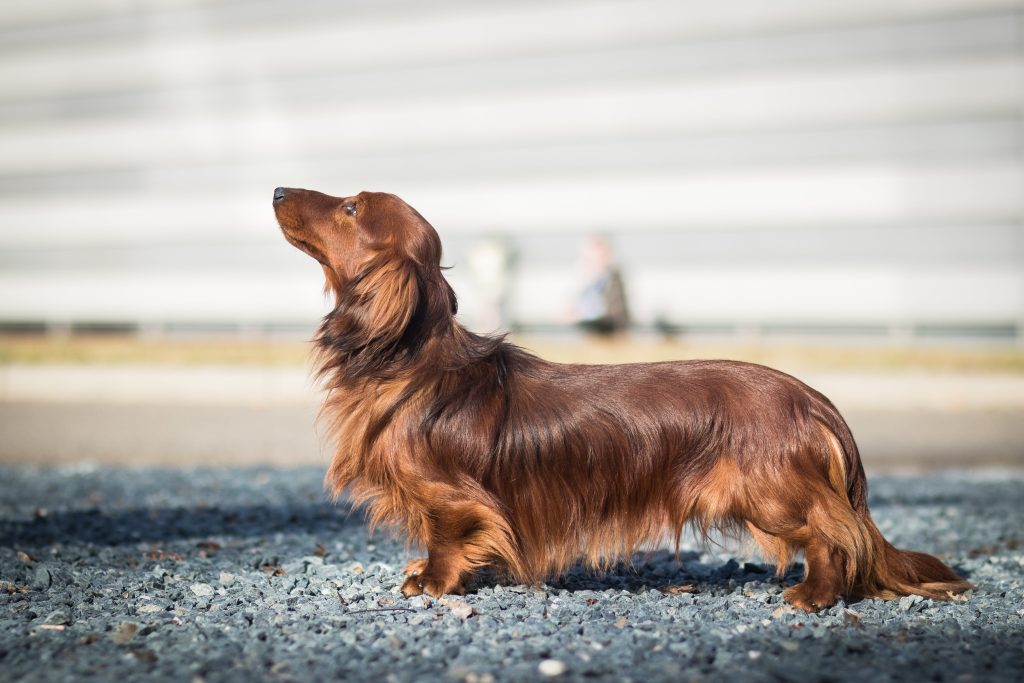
(381, 258)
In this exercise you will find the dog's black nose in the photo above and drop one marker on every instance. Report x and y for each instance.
(279, 194)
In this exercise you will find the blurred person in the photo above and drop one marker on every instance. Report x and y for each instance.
(601, 305)
(490, 262)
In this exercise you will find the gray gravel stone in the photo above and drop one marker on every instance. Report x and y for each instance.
(202, 589)
(41, 578)
(58, 617)
(225, 575)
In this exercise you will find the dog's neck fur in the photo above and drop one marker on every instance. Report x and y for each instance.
(344, 360)
(421, 331)
(373, 400)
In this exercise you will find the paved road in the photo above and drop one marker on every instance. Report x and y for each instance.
(266, 415)
(225, 435)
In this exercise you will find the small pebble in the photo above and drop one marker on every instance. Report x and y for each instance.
(551, 667)
(202, 589)
(58, 617)
(41, 578)
(124, 632)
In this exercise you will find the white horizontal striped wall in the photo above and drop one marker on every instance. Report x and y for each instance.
(792, 162)
(811, 98)
(764, 199)
(756, 296)
(186, 42)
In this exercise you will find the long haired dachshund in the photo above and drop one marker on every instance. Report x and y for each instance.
(487, 455)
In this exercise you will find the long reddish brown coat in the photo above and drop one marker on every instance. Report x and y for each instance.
(487, 455)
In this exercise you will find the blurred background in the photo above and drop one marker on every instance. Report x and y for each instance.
(834, 188)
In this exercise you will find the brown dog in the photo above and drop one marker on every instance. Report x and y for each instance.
(487, 455)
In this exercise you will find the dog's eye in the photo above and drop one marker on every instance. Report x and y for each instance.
(350, 209)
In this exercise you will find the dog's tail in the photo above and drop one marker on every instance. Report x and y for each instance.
(876, 568)
(896, 572)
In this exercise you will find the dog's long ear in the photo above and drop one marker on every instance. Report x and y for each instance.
(375, 307)
(398, 224)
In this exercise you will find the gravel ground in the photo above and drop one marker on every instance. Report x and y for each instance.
(249, 574)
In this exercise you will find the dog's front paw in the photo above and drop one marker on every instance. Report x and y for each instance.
(417, 584)
(416, 566)
(412, 586)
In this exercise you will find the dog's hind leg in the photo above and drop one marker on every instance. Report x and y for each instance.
(773, 549)
(803, 512)
(825, 574)
(823, 582)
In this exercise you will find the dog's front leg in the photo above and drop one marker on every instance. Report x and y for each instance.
(462, 536)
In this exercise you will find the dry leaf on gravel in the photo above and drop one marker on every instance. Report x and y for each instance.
(207, 548)
(273, 570)
(145, 655)
(457, 607)
(125, 632)
(156, 553)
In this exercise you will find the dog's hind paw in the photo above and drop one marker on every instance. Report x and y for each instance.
(810, 598)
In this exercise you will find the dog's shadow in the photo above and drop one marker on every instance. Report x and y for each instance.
(158, 525)
(180, 527)
(662, 570)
